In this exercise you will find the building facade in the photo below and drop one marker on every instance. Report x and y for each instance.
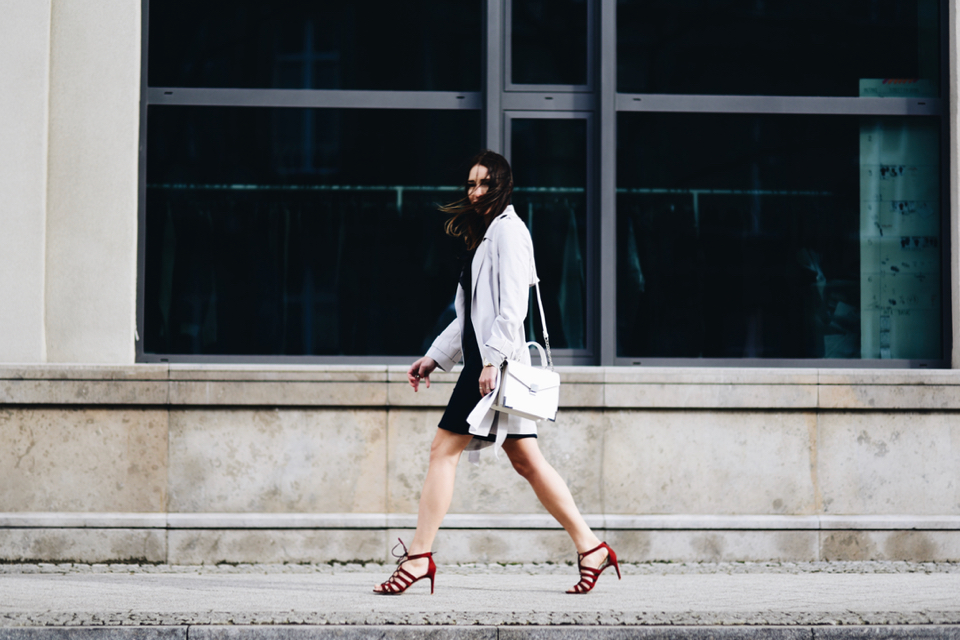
(221, 244)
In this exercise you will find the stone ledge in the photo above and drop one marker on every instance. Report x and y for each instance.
(36, 520)
(83, 372)
(199, 546)
(520, 521)
(185, 385)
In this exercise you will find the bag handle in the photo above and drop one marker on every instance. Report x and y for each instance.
(543, 354)
(546, 336)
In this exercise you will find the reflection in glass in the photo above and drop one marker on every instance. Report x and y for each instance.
(301, 232)
(549, 42)
(771, 236)
(550, 177)
(779, 47)
(417, 45)
(900, 238)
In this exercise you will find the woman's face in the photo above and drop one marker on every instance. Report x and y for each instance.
(477, 183)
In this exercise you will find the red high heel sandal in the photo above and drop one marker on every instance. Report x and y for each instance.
(589, 575)
(401, 580)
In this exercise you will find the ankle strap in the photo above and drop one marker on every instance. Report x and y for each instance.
(602, 545)
(403, 557)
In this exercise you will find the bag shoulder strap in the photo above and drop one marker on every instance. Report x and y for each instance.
(543, 324)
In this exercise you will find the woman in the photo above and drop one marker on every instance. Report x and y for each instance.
(491, 307)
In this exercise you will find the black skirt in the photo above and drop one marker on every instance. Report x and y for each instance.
(466, 394)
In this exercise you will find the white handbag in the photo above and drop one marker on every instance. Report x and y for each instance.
(527, 391)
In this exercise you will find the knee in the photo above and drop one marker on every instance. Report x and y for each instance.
(524, 465)
(440, 453)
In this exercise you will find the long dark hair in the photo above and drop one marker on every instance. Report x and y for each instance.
(470, 221)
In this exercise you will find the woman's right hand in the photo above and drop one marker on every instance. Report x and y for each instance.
(421, 370)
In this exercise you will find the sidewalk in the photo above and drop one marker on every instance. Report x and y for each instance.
(752, 600)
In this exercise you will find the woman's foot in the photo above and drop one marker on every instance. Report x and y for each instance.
(417, 568)
(410, 569)
(591, 564)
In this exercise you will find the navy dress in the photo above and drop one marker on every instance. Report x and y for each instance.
(466, 394)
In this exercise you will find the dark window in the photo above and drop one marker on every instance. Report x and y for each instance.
(748, 200)
(549, 42)
(361, 44)
(549, 159)
(301, 231)
(779, 47)
(771, 236)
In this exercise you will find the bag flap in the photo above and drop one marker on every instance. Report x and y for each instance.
(533, 378)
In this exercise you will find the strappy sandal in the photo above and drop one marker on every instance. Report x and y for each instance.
(589, 575)
(401, 580)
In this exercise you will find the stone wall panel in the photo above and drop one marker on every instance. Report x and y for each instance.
(204, 546)
(910, 546)
(714, 546)
(89, 459)
(277, 461)
(83, 545)
(876, 463)
(708, 462)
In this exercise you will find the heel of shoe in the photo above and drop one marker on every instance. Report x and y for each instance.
(612, 559)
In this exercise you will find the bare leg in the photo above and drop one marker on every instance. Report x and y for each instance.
(554, 495)
(436, 495)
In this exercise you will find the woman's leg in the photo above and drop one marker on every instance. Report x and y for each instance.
(554, 495)
(436, 495)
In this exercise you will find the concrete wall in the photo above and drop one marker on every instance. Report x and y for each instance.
(25, 56)
(69, 139)
(91, 259)
(189, 464)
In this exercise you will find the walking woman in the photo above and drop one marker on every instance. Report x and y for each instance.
(491, 306)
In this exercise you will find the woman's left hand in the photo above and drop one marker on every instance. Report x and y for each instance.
(488, 379)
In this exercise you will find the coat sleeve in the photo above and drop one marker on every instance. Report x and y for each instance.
(514, 253)
(446, 349)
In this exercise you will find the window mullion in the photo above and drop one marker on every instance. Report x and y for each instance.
(607, 182)
(493, 38)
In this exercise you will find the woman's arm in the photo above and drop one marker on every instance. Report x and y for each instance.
(515, 255)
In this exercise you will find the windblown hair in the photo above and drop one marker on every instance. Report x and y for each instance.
(470, 221)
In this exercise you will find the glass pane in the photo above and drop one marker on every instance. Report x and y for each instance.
(772, 236)
(549, 159)
(779, 47)
(301, 231)
(549, 42)
(362, 44)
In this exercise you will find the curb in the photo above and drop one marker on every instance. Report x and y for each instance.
(256, 632)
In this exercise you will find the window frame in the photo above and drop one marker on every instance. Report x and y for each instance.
(510, 86)
(499, 100)
(583, 356)
(291, 98)
(614, 102)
